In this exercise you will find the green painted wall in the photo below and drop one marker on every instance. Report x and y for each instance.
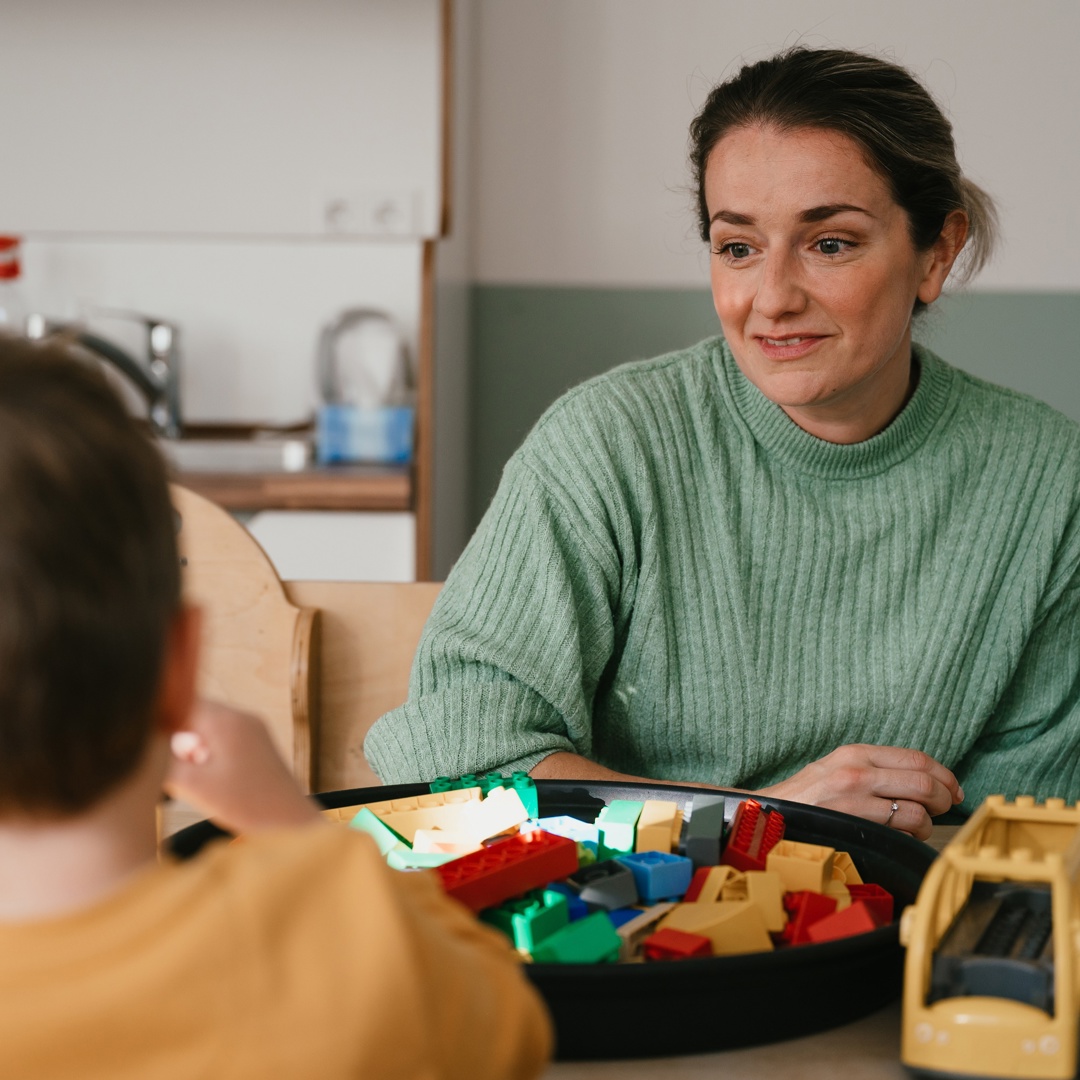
(529, 344)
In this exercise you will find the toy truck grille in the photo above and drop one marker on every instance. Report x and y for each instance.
(1001, 945)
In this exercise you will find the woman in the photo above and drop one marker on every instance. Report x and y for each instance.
(808, 558)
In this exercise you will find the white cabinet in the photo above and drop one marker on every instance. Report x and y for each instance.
(222, 117)
(337, 545)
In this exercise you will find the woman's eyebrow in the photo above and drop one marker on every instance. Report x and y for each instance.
(821, 213)
(731, 218)
(815, 213)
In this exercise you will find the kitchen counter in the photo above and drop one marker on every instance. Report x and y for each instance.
(246, 468)
(315, 487)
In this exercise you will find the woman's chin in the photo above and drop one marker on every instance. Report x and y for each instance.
(795, 389)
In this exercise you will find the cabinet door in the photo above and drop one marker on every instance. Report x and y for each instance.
(222, 117)
(338, 545)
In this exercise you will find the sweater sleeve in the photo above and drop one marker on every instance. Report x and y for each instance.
(478, 1016)
(1029, 745)
(508, 666)
(349, 968)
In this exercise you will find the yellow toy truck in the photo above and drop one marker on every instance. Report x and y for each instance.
(990, 976)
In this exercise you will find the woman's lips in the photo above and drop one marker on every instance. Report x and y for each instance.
(788, 346)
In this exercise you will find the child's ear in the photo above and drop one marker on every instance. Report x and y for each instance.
(179, 671)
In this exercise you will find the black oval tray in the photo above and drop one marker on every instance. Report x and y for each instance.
(723, 1002)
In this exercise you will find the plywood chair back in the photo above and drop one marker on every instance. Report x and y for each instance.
(259, 648)
(369, 634)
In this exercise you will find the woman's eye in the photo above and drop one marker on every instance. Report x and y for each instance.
(734, 249)
(831, 245)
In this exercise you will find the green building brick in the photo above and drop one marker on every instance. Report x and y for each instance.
(487, 782)
(617, 823)
(490, 781)
(523, 784)
(530, 919)
(592, 940)
(446, 783)
(404, 858)
(383, 835)
(586, 854)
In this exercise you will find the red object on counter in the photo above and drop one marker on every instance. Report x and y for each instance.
(9, 257)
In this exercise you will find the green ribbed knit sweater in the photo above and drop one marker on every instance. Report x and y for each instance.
(677, 581)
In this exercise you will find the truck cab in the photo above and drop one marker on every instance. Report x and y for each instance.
(990, 977)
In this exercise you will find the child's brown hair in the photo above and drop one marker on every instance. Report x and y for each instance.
(89, 581)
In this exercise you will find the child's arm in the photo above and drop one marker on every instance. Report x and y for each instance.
(473, 1014)
(481, 1019)
(225, 764)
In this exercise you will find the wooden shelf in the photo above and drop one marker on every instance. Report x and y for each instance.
(338, 487)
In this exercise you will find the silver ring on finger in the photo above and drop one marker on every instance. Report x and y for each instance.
(892, 810)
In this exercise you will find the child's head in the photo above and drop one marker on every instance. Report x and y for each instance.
(89, 582)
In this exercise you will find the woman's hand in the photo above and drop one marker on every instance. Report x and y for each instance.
(226, 765)
(868, 780)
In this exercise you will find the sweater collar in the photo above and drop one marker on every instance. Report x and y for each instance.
(781, 438)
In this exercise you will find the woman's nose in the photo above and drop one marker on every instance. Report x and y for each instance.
(779, 289)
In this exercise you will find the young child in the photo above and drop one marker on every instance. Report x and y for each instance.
(295, 953)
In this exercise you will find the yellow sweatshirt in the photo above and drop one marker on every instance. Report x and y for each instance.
(293, 954)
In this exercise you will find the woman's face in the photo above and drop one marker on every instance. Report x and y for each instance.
(814, 276)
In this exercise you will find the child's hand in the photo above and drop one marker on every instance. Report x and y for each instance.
(225, 764)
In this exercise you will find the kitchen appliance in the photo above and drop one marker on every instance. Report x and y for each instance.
(366, 386)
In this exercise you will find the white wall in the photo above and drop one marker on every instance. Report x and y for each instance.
(582, 108)
(226, 117)
(249, 312)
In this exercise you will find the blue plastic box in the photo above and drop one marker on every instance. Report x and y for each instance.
(349, 433)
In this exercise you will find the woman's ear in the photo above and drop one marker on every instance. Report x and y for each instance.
(179, 671)
(942, 255)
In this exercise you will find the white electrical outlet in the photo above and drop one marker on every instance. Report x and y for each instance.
(336, 214)
(370, 212)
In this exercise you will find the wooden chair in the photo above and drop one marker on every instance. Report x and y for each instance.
(369, 634)
(319, 661)
(259, 649)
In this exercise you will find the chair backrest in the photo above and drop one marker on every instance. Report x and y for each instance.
(259, 650)
(320, 661)
(369, 633)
